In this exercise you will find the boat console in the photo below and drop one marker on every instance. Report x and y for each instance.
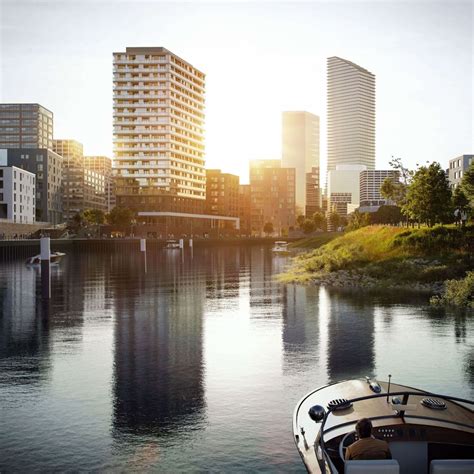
(425, 432)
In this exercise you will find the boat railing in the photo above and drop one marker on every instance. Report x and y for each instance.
(398, 408)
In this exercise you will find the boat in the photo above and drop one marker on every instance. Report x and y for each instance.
(171, 245)
(55, 258)
(281, 248)
(427, 433)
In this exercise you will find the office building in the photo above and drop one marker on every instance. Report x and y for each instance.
(344, 188)
(47, 166)
(222, 193)
(370, 183)
(158, 120)
(103, 165)
(17, 195)
(245, 210)
(272, 196)
(457, 167)
(350, 114)
(300, 150)
(25, 126)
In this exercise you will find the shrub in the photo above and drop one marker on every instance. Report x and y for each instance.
(457, 292)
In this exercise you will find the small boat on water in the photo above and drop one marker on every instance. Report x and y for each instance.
(55, 258)
(426, 433)
(171, 245)
(281, 248)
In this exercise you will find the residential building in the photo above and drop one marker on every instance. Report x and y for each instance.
(245, 210)
(457, 168)
(222, 193)
(48, 168)
(272, 194)
(344, 188)
(25, 126)
(370, 183)
(158, 119)
(83, 188)
(103, 165)
(17, 195)
(350, 114)
(300, 150)
(313, 192)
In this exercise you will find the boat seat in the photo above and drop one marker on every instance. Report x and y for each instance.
(447, 466)
(385, 466)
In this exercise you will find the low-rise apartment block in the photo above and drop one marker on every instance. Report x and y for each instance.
(457, 167)
(17, 195)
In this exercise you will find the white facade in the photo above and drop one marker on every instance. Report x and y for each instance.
(17, 195)
(370, 183)
(158, 120)
(344, 187)
(300, 149)
(351, 114)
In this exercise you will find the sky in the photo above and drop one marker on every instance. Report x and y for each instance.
(260, 58)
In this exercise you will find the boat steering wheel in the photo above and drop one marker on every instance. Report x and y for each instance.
(347, 440)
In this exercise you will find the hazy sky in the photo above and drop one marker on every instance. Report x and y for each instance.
(260, 58)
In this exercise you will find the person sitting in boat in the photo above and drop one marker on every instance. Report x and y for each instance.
(367, 447)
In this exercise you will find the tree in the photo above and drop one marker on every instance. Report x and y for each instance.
(467, 183)
(120, 216)
(268, 228)
(319, 220)
(460, 205)
(393, 191)
(308, 226)
(428, 196)
(334, 220)
(387, 215)
(299, 220)
(93, 216)
(358, 219)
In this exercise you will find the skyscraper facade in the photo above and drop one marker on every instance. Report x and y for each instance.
(300, 150)
(25, 126)
(350, 114)
(158, 119)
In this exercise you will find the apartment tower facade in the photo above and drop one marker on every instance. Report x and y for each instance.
(300, 150)
(350, 114)
(158, 131)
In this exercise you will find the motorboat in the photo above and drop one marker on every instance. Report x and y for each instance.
(427, 433)
(55, 258)
(281, 248)
(172, 245)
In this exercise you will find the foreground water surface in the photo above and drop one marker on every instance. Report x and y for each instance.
(198, 363)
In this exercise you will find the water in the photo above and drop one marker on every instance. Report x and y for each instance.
(197, 364)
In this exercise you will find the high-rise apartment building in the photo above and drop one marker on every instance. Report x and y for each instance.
(222, 193)
(370, 183)
(300, 150)
(350, 114)
(158, 118)
(272, 196)
(48, 168)
(25, 126)
(313, 192)
(103, 165)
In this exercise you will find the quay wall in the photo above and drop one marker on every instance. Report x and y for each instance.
(21, 249)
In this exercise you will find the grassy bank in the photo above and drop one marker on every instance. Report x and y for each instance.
(315, 241)
(383, 256)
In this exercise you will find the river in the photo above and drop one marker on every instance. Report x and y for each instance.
(197, 363)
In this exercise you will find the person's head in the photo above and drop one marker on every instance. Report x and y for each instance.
(364, 428)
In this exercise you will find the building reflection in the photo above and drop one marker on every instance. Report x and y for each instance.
(158, 357)
(350, 337)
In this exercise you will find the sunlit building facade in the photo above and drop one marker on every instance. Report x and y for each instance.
(158, 130)
(103, 165)
(17, 195)
(272, 196)
(300, 150)
(222, 193)
(370, 183)
(350, 114)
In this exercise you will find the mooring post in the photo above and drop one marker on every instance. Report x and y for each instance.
(181, 243)
(190, 242)
(45, 257)
(143, 252)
